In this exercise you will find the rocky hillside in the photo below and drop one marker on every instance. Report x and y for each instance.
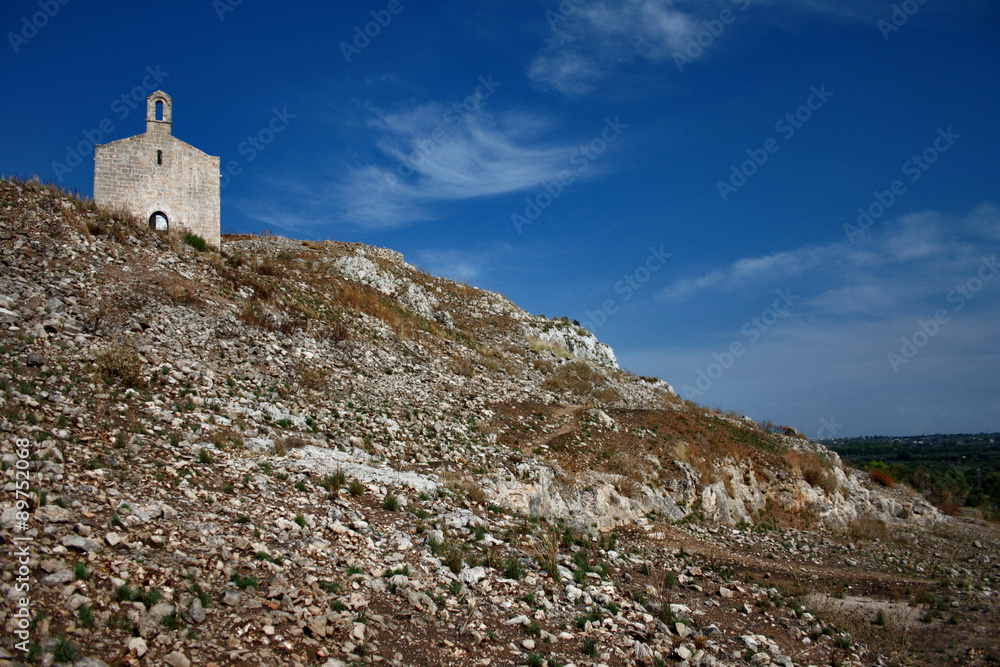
(303, 453)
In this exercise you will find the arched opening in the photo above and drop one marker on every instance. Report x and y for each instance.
(159, 157)
(158, 221)
(159, 111)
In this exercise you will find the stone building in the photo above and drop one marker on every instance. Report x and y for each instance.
(159, 178)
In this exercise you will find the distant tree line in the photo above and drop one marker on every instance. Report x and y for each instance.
(950, 471)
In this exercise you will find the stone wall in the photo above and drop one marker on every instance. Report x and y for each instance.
(156, 172)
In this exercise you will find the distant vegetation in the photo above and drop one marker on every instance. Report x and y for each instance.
(952, 471)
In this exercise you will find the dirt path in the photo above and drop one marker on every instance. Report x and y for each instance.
(864, 581)
(571, 425)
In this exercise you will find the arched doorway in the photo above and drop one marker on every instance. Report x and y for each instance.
(158, 221)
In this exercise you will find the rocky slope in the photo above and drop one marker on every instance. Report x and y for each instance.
(315, 454)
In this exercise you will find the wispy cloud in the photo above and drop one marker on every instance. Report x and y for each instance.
(430, 155)
(908, 257)
(747, 272)
(425, 157)
(590, 42)
(857, 304)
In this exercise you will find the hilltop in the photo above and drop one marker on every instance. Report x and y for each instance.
(312, 453)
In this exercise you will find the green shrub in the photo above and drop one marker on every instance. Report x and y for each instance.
(125, 593)
(203, 597)
(453, 559)
(195, 242)
(513, 569)
(172, 621)
(64, 650)
(86, 616)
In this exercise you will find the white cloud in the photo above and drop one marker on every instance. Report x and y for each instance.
(857, 304)
(566, 72)
(427, 156)
(682, 289)
(984, 221)
(870, 300)
(588, 43)
(433, 155)
(908, 257)
(915, 236)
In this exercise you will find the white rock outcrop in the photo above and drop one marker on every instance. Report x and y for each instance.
(575, 340)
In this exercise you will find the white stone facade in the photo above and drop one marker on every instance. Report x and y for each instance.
(159, 178)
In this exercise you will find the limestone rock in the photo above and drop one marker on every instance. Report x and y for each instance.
(177, 659)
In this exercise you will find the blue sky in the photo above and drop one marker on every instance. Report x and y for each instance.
(676, 176)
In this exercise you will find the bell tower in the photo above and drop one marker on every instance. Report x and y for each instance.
(159, 114)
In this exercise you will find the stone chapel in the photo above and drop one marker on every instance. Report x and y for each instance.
(166, 182)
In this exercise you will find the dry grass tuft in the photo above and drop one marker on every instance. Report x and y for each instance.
(311, 377)
(813, 468)
(267, 267)
(120, 362)
(182, 294)
(539, 345)
(582, 380)
(868, 528)
(462, 366)
(881, 477)
(464, 487)
(629, 467)
(282, 445)
(547, 553)
(366, 300)
(269, 317)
